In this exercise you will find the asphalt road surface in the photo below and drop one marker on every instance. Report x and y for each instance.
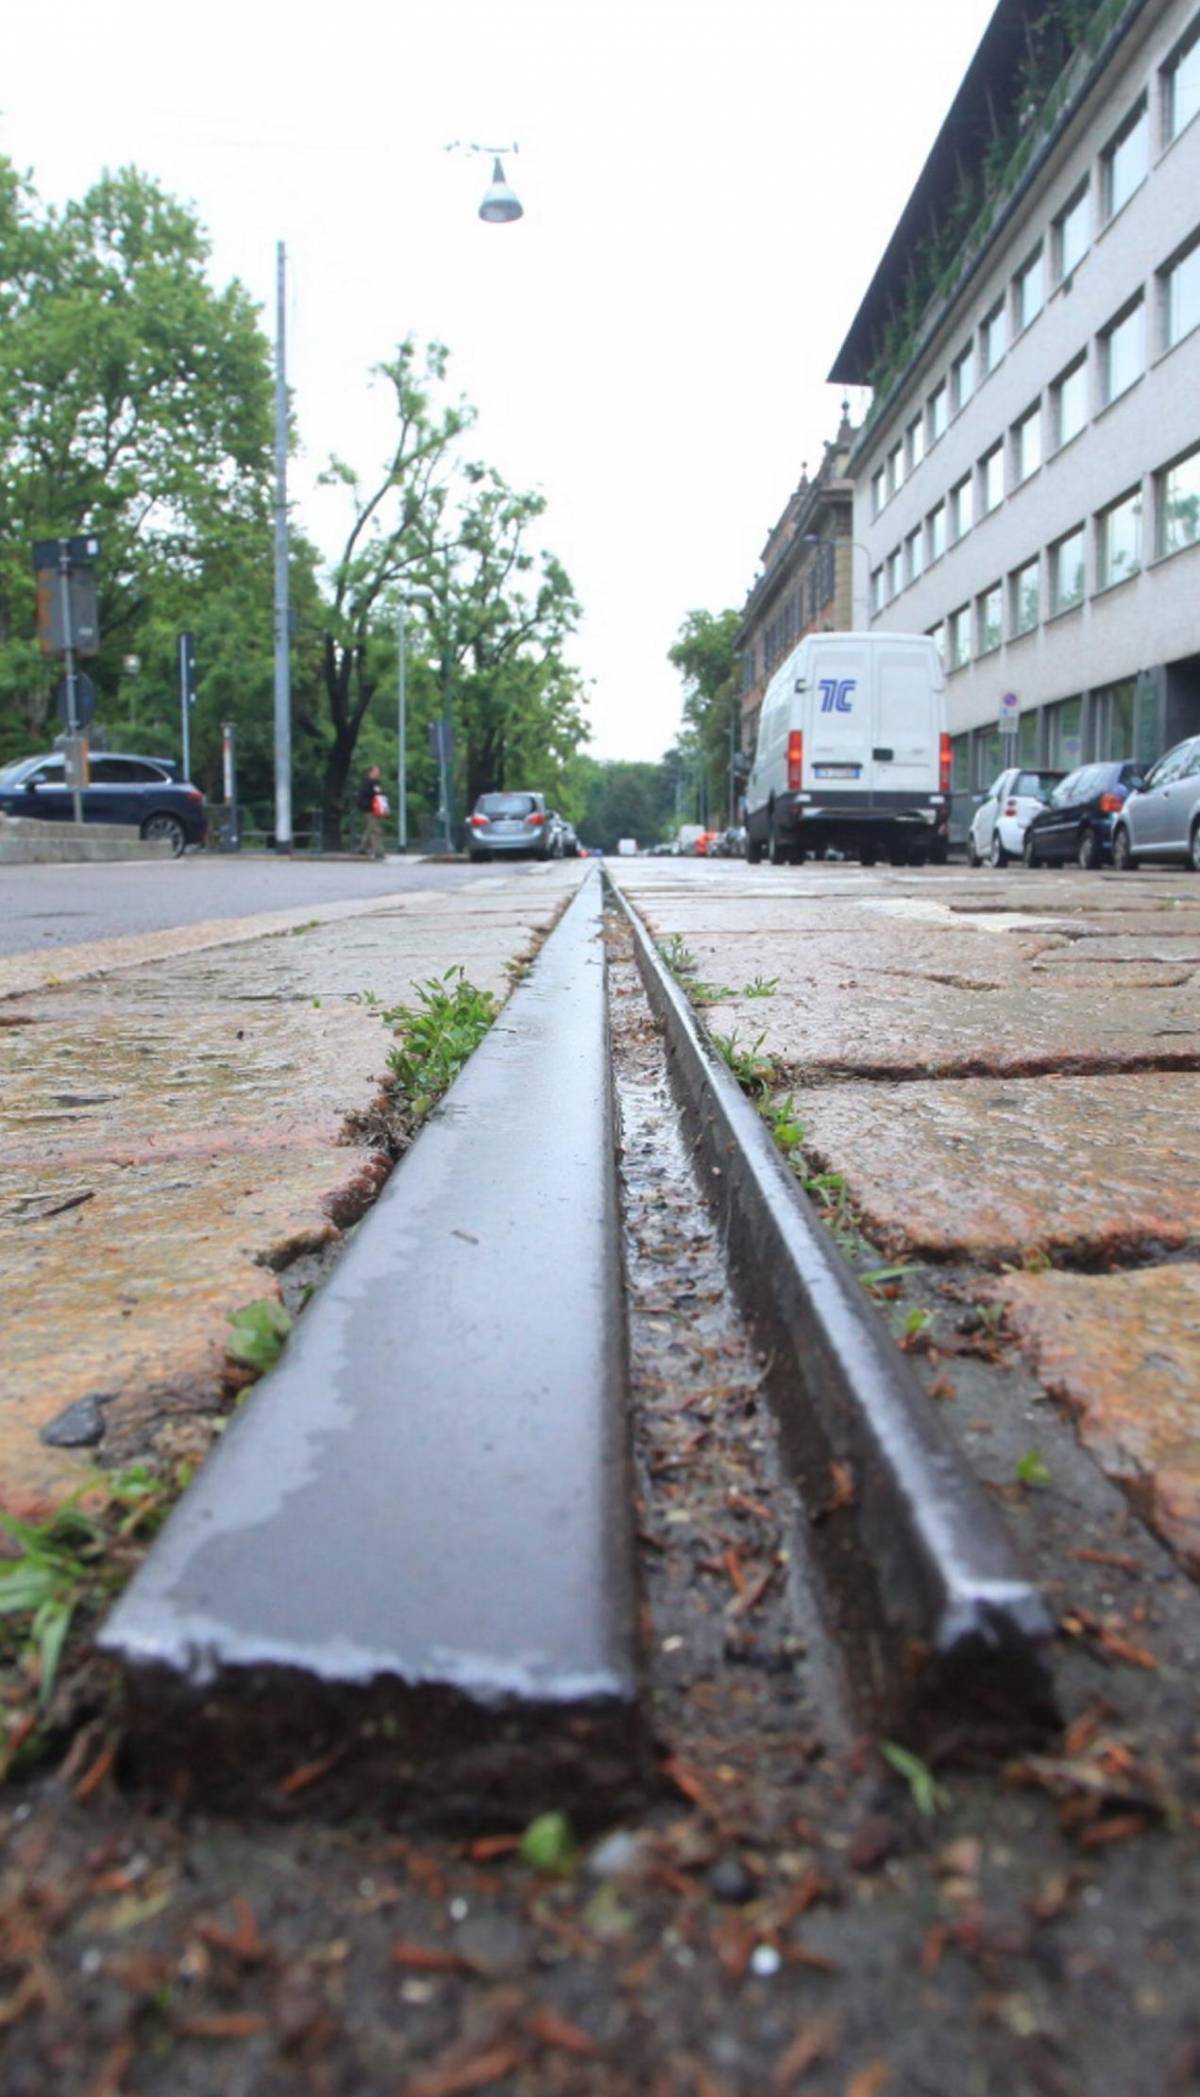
(43, 907)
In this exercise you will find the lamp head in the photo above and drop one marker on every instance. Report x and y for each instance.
(500, 205)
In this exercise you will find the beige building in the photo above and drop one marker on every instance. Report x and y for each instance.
(1028, 482)
(805, 579)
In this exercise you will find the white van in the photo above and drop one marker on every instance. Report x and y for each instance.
(853, 752)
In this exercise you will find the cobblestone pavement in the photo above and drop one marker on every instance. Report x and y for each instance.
(1002, 1069)
(184, 1116)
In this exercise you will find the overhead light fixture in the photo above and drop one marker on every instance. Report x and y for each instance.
(501, 205)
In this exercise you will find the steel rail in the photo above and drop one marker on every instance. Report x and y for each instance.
(920, 1574)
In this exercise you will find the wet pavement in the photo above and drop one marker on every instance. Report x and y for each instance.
(1001, 1072)
(186, 1114)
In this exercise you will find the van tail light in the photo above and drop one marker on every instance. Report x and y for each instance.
(1111, 803)
(535, 820)
(944, 765)
(795, 760)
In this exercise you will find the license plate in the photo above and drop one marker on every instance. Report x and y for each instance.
(836, 771)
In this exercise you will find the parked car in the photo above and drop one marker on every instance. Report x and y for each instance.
(998, 830)
(142, 791)
(569, 841)
(509, 824)
(1161, 819)
(1077, 822)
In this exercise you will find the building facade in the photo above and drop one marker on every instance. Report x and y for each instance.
(1028, 483)
(805, 579)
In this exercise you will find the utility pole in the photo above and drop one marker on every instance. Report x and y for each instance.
(283, 688)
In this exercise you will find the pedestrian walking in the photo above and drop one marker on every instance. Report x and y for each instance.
(371, 804)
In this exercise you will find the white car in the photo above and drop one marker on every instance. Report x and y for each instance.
(998, 830)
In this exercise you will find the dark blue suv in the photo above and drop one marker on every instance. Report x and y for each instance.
(143, 791)
(1077, 821)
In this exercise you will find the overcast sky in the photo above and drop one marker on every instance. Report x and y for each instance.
(708, 185)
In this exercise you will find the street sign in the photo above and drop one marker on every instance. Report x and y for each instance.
(85, 700)
(1010, 708)
(68, 616)
(187, 668)
(80, 551)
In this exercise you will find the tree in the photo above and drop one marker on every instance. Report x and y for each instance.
(705, 654)
(395, 538)
(135, 402)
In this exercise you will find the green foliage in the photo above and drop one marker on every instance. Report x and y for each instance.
(1033, 1470)
(761, 987)
(436, 1036)
(64, 1566)
(258, 1334)
(611, 799)
(755, 1073)
(706, 657)
(548, 1844)
(780, 1117)
(928, 1795)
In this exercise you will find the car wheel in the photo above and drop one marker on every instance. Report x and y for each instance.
(1086, 851)
(1194, 849)
(1029, 852)
(477, 858)
(776, 852)
(973, 858)
(753, 851)
(997, 855)
(1123, 858)
(168, 828)
(868, 856)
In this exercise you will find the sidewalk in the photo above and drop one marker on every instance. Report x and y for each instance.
(1001, 1069)
(187, 1118)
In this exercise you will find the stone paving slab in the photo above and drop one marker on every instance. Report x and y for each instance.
(192, 1120)
(991, 1169)
(1122, 1351)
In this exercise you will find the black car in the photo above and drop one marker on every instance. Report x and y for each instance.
(1077, 821)
(142, 791)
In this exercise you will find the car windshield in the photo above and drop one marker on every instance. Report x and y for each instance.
(12, 775)
(1040, 783)
(505, 805)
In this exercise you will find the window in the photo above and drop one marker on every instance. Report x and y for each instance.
(1180, 295)
(876, 589)
(1029, 737)
(989, 618)
(1064, 734)
(895, 469)
(914, 554)
(1113, 709)
(1068, 403)
(1025, 598)
(1179, 504)
(937, 635)
(1123, 164)
(961, 509)
(937, 532)
(991, 479)
(893, 573)
(1070, 234)
(960, 763)
(991, 339)
(1121, 354)
(938, 412)
(878, 495)
(959, 638)
(1027, 445)
(962, 377)
(916, 443)
(1181, 85)
(1067, 572)
(1029, 290)
(1119, 540)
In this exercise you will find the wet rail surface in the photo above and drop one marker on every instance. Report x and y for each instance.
(420, 1526)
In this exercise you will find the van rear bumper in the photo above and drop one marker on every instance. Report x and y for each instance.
(857, 818)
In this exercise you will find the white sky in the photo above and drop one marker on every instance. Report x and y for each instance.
(708, 185)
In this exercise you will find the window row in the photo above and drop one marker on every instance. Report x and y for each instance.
(1014, 606)
(1123, 166)
(1085, 386)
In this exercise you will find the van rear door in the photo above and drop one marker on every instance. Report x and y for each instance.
(905, 720)
(837, 717)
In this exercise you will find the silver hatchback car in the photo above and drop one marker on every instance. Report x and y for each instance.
(1162, 819)
(510, 824)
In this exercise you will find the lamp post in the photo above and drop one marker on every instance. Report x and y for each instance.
(283, 674)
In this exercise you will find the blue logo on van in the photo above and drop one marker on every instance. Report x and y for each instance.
(835, 694)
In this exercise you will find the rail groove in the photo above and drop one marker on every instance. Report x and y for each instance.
(921, 1576)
